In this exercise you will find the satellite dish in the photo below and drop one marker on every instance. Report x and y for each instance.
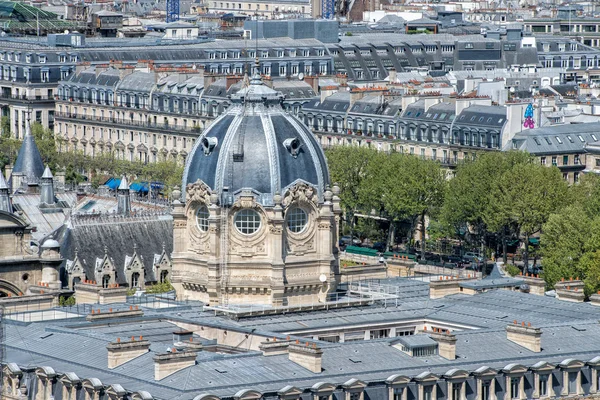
(323, 278)
(300, 76)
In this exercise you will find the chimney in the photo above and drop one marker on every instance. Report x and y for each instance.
(526, 336)
(5, 203)
(121, 352)
(313, 81)
(123, 199)
(274, 347)
(166, 364)
(100, 68)
(392, 75)
(47, 191)
(231, 80)
(443, 287)
(431, 101)
(307, 356)
(446, 344)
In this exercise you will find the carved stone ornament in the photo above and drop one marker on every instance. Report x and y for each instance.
(198, 192)
(302, 193)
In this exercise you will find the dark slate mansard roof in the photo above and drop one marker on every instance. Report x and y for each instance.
(120, 236)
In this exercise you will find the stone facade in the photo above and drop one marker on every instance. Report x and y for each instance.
(256, 271)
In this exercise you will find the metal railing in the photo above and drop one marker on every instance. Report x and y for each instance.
(76, 311)
(25, 97)
(128, 122)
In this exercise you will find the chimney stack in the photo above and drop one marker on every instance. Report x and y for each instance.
(446, 344)
(123, 198)
(526, 336)
(392, 75)
(274, 347)
(166, 364)
(47, 190)
(121, 352)
(306, 355)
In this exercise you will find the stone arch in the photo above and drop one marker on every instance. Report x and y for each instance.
(7, 288)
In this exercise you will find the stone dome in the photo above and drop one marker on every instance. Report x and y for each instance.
(257, 146)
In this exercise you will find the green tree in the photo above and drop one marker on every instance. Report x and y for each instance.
(410, 188)
(349, 168)
(571, 247)
(470, 203)
(527, 194)
(587, 194)
(44, 139)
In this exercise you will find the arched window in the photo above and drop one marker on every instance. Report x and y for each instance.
(163, 276)
(135, 279)
(105, 281)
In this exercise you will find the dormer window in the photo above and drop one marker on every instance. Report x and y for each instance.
(28, 58)
(18, 57)
(2, 56)
(212, 56)
(62, 58)
(42, 58)
(73, 57)
(306, 53)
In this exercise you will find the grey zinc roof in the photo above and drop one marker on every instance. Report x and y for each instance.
(138, 81)
(556, 139)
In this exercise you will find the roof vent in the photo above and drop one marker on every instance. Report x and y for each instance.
(293, 146)
(209, 144)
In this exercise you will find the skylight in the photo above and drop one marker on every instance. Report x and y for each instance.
(558, 139)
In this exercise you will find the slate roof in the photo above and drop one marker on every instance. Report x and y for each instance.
(146, 235)
(556, 139)
(29, 161)
(570, 330)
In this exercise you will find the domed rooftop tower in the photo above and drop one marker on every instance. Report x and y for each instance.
(257, 146)
(257, 221)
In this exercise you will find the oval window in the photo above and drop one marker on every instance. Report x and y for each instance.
(247, 221)
(202, 218)
(296, 220)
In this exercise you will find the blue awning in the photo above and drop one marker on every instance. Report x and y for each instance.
(113, 183)
(139, 187)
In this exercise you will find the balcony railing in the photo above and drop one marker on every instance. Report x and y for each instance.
(26, 98)
(129, 122)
